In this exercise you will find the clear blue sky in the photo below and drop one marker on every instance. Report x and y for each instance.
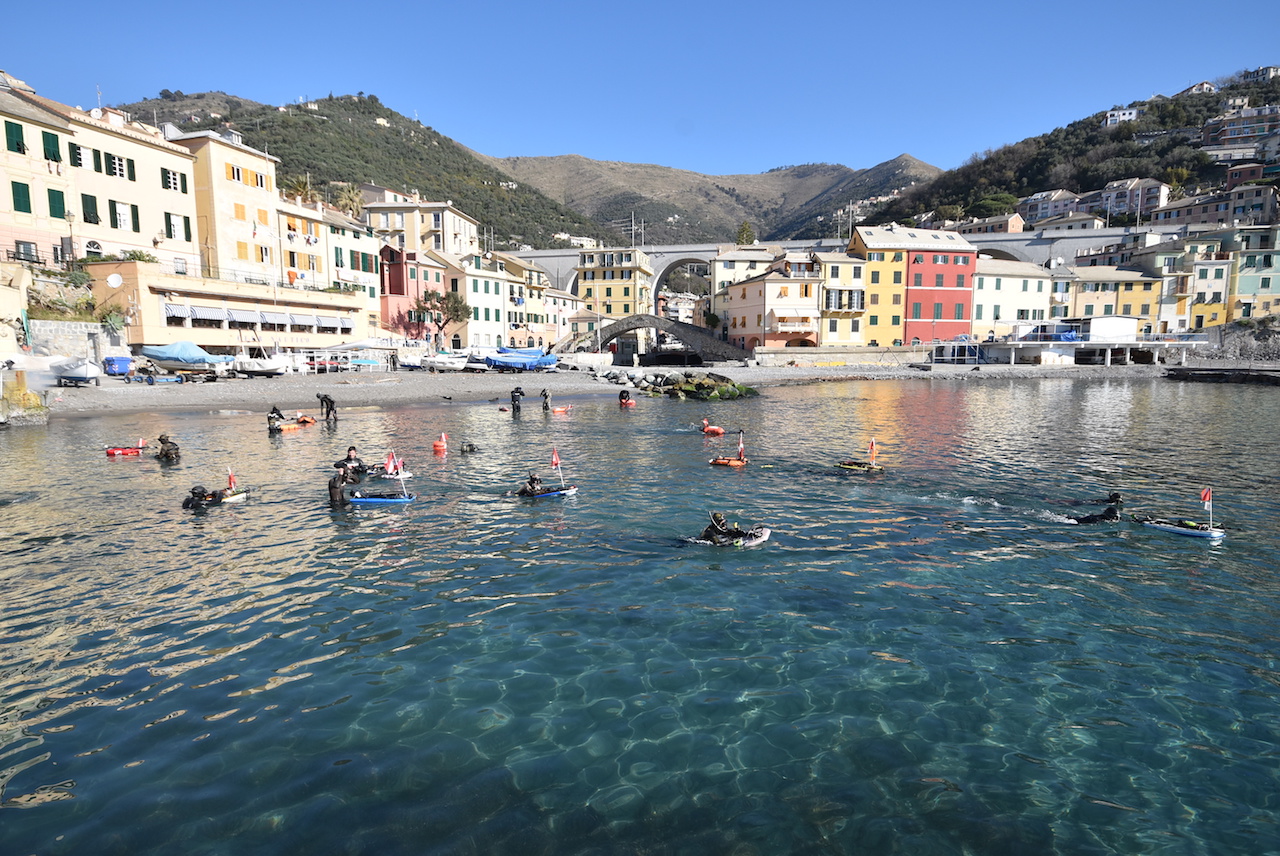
(715, 87)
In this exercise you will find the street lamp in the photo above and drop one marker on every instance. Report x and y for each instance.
(69, 256)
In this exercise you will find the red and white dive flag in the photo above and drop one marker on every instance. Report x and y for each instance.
(231, 479)
(555, 459)
(1206, 496)
(871, 451)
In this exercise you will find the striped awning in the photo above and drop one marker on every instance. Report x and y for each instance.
(209, 313)
(176, 310)
(244, 316)
(347, 323)
(327, 321)
(274, 318)
(302, 320)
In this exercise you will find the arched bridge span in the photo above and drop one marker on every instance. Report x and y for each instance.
(698, 339)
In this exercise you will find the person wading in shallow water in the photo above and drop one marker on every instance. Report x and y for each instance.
(337, 497)
(169, 451)
(328, 410)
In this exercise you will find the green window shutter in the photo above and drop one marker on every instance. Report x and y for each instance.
(186, 229)
(73, 155)
(57, 204)
(21, 194)
(13, 138)
(337, 257)
(133, 216)
(164, 178)
(97, 161)
(51, 151)
(168, 225)
(89, 208)
(355, 259)
(130, 170)
(112, 214)
(182, 181)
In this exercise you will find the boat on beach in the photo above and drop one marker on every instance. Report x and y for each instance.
(189, 357)
(445, 362)
(74, 372)
(264, 365)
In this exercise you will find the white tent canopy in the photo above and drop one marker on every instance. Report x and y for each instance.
(362, 345)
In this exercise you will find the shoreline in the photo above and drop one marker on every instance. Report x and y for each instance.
(299, 392)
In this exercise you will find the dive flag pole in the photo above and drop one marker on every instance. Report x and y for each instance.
(1206, 496)
(555, 464)
(871, 451)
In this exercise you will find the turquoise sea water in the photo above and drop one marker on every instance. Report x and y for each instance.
(926, 662)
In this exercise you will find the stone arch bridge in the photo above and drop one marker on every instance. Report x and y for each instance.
(698, 339)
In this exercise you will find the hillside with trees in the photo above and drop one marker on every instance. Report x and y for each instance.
(350, 139)
(1084, 156)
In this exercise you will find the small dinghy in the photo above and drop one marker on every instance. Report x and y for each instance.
(369, 496)
(534, 489)
(127, 451)
(867, 466)
(739, 461)
(1189, 528)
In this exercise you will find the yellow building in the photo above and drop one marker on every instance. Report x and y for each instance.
(884, 278)
(1109, 290)
(237, 205)
(36, 191)
(843, 299)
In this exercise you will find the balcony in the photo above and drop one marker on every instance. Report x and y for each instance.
(797, 326)
(29, 256)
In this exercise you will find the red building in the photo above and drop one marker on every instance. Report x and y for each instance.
(406, 277)
(938, 301)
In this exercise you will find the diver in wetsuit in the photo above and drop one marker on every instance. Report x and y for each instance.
(516, 395)
(1110, 515)
(201, 498)
(546, 400)
(343, 477)
(532, 487)
(328, 409)
(169, 451)
(720, 532)
(354, 465)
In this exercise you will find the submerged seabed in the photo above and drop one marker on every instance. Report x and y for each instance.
(929, 661)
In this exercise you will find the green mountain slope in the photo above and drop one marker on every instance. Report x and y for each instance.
(1084, 155)
(354, 138)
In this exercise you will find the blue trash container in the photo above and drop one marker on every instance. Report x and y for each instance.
(116, 366)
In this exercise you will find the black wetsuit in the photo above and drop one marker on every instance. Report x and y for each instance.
(169, 451)
(1108, 516)
(516, 394)
(328, 409)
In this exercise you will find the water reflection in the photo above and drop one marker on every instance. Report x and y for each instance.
(924, 660)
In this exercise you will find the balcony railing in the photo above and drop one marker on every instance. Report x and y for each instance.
(792, 327)
(28, 256)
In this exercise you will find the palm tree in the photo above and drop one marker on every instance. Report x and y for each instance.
(300, 187)
(350, 200)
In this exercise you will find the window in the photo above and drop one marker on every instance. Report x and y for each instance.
(75, 155)
(937, 312)
(875, 299)
(238, 211)
(608, 291)
(89, 209)
(13, 140)
(1026, 285)
(834, 273)
(897, 277)
(57, 204)
(895, 320)
(833, 326)
(995, 313)
(51, 149)
(264, 255)
(21, 192)
(937, 280)
(875, 277)
(915, 311)
(875, 257)
(242, 250)
(977, 312)
(1146, 309)
(897, 257)
(959, 280)
(235, 174)
(896, 300)
(979, 282)
(959, 309)
(1126, 309)
(997, 283)
(873, 320)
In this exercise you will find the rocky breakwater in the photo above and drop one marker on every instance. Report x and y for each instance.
(703, 386)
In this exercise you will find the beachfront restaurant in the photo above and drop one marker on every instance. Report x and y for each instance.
(152, 306)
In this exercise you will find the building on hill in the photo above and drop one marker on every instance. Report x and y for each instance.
(1126, 196)
(1243, 173)
(1202, 87)
(1243, 126)
(988, 225)
(1077, 221)
(1254, 278)
(1045, 204)
(408, 222)
(1123, 114)
(1260, 75)
(1243, 204)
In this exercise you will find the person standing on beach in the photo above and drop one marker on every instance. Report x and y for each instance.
(328, 410)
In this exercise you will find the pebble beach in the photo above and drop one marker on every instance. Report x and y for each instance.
(298, 392)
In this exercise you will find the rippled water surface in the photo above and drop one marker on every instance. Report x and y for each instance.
(925, 662)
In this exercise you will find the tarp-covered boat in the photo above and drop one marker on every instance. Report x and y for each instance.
(188, 356)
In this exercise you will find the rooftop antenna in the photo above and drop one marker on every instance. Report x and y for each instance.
(99, 88)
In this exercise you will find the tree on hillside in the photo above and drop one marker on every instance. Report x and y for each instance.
(746, 235)
(948, 212)
(993, 205)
